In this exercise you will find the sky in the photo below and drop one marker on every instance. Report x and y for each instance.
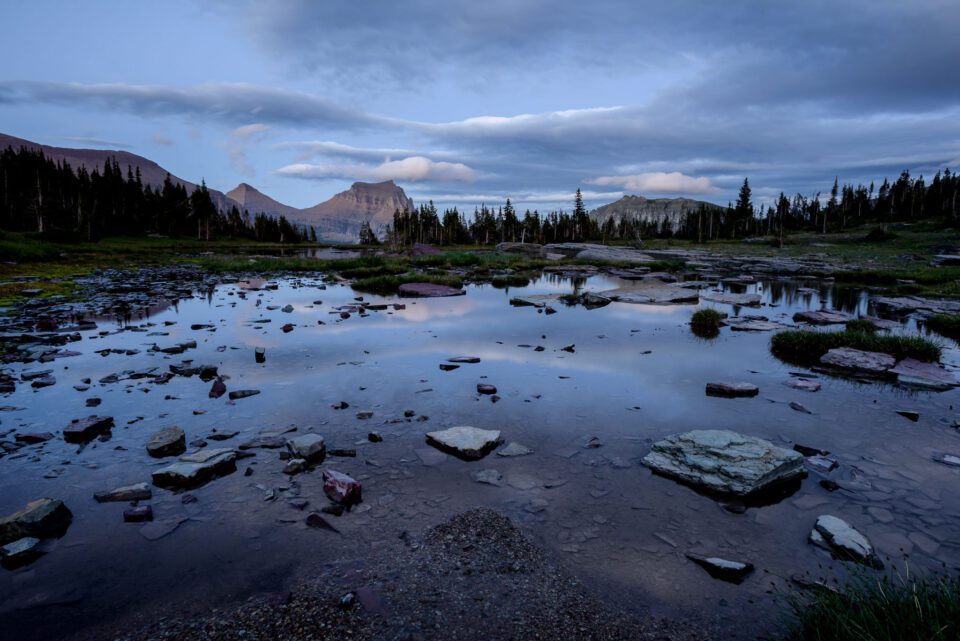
(467, 102)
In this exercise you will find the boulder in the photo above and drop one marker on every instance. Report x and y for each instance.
(731, 571)
(136, 492)
(843, 541)
(465, 442)
(81, 430)
(341, 488)
(732, 389)
(429, 290)
(170, 441)
(858, 362)
(40, 518)
(309, 447)
(724, 462)
(196, 469)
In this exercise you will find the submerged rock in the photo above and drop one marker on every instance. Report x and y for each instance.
(514, 449)
(169, 441)
(135, 492)
(858, 361)
(803, 384)
(464, 441)
(731, 571)
(843, 541)
(196, 469)
(341, 488)
(723, 461)
(732, 389)
(429, 290)
(40, 518)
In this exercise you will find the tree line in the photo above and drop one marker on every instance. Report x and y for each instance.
(38, 194)
(905, 200)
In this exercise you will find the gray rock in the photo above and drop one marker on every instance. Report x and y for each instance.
(243, 393)
(822, 317)
(295, 466)
(310, 447)
(196, 469)
(732, 389)
(843, 541)
(465, 442)
(803, 384)
(729, 298)
(914, 373)
(489, 477)
(514, 449)
(651, 293)
(20, 552)
(85, 429)
(724, 462)
(169, 441)
(731, 571)
(136, 492)
(40, 518)
(858, 361)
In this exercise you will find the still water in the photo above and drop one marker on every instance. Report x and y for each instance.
(636, 374)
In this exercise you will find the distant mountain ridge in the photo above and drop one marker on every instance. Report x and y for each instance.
(337, 219)
(639, 208)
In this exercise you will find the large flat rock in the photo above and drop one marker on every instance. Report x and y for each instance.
(914, 373)
(196, 469)
(822, 317)
(429, 290)
(591, 251)
(858, 361)
(465, 442)
(652, 293)
(745, 300)
(723, 461)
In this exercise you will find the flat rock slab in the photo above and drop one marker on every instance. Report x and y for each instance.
(723, 461)
(803, 384)
(40, 518)
(86, 429)
(466, 442)
(822, 317)
(429, 290)
(843, 541)
(732, 389)
(169, 441)
(592, 251)
(729, 298)
(309, 447)
(858, 361)
(651, 293)
(916, 373)
(514, 449)
(135, 492)
(723, 569)
(196, 469)
(747, 324)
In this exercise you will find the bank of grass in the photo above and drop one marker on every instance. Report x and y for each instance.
(390, 284)
(945, 324)
(872, 608)
(805, 347)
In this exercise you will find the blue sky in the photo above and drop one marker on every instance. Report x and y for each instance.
(469, 102)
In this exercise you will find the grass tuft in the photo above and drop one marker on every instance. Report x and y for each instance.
(805, 347)
(705, 323)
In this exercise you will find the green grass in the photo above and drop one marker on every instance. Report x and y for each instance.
(861, 325)
(805, 347)
(705, 323)
(502, 281)
(872, 608)
(945, 324)
(390, 284)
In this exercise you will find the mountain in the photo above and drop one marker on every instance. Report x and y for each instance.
(247, 197)
(674, 210)
(340, 217)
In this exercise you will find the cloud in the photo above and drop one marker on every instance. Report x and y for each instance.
(658, 182)
(161, 139)
(414, 169)
(313, 148)
(237, 143)
(97, 142)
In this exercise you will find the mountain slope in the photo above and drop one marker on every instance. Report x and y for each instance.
(340, 217)
(249, 198)
(674, 210)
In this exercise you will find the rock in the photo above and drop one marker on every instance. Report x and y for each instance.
(196, 469)
(32, 438)
(843, 541)
(514, 449)
(46, 381)
(340, 488)
(464, 359)
(858, 361)
(489, 477)
(724, 462)
(909, 414)
(286, 329)
(295, 466)
(316, 521)
(243, 393)
(729, 298)
(139, 514)
(169, 441)
(731, 571)
(310, 447)
(364, 414)
(41, 518)
(748, 324)
(592, 251)
(374, 437)
(732, 389)
(821, 463)
(798, 407)
(20, 552)
(260, 354)
(286, 309)
(465, 442)
(914, 373)
(86, 429)
(429, 290)
(218, 389)
(448, 367)
(484, 388)
(947, 459)
(822, 317)
(136, 492)
(803, 384)
(652, 293)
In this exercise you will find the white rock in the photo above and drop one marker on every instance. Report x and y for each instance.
(841, 539)
(466, 442)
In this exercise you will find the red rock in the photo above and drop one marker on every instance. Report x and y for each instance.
(287, 328)
(429, 290)
(218, 389)
(341, 488)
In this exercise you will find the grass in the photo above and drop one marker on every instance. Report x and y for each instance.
(861, 325)
(945, 324)
(705, 323)
(805, 347)
(390, 284)
(871, 608)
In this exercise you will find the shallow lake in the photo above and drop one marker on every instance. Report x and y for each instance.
(634, 375)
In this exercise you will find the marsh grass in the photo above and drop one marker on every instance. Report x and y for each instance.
(879, 608)
(944, 324)
(805, 347)
(390, 284)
